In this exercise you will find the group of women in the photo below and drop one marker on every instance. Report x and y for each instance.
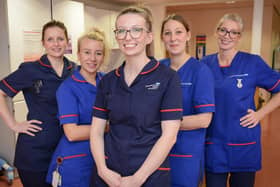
(158, 112)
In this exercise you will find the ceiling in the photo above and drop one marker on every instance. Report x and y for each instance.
(118, 4)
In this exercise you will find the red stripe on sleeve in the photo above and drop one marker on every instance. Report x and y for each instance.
(11, 88)
(101, 109)
(164, 169)
(274, 86)
(172, 110)
(69, 115)
(183, 156)
(206, 105)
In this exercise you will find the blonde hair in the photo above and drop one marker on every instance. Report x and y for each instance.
(97, 35)
(233, 17)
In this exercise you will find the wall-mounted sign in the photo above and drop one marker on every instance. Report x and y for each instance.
(200, 49)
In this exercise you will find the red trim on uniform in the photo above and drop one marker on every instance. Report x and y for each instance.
(164, 169)
(275, 85)
(240, 144)
(106, 157)
(199, 106)
(209, 143)
(69, 115)
(152, 69)
(101, 109)
(183, 156)
(171, 110)
(117, 72)
(76, 79)
(10, 87)
(74, 156)
(46, 65)
(70, 66)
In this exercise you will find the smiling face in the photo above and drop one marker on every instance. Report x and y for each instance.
(90, 55)
(131, 45)
(54, 42)
(228, 35)
(175, 37)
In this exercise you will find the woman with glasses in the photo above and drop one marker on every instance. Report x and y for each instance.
(233, 145)
(38, 80)
(142, 102)
(197, 83)
(72, 163)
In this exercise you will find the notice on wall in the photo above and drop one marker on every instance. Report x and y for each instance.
(32, 44)
(200, 46)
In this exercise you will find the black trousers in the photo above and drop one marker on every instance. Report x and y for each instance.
(236, 179)
(33, 179)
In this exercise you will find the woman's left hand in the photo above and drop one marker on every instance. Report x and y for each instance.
(130, 181)
(251, 119)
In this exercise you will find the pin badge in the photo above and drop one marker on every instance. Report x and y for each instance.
(239, 83)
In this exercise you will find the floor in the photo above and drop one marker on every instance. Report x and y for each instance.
(269, 176)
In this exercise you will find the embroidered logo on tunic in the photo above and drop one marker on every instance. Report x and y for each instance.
(239, 83)
(154, 86)
(186, 83)
(239, 75)
(37, 85)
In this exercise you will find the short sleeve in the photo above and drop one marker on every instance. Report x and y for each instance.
(203, 96)
(67, 104)
(17, 80)
(100, 107)
(266, 77)
(171, 106)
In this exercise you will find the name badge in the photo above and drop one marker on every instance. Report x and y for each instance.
(56, 179)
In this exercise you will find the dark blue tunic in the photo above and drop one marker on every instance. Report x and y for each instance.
(135, 114)
(38, 82)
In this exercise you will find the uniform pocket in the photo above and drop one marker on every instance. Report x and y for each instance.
(180, 169)
(245, 155)
(216, 157)
(76, 170)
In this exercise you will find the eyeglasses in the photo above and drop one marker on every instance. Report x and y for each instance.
(135, 32)
(223, 32)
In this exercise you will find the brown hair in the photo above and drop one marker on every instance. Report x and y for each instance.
(180, 19)
(175, 17)
(54, 23)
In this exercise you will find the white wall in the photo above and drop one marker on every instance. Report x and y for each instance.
(32, 15)
(7, 136)
(72, 14)
(105, 21)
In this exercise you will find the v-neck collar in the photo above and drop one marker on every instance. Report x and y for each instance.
(227, 70)
(151, 66)
(148, 68)
(78, 77)
(46, 65)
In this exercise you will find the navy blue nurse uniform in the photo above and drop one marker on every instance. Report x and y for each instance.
(135, 114)
(231, 147)
(75, 98)
(38, 81)
(187, 155)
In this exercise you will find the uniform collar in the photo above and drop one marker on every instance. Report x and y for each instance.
(44, 61)
(77, 76)
(148, 68)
